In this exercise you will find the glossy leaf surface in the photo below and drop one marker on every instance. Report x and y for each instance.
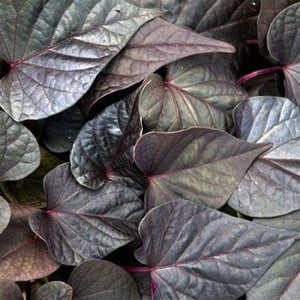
(4, 214)
(284, 31)
(198, 164)
(60, 131)
(81, 224)
(100, 279)
(271, 186)
(268, 11)
(30, 191)
(23, 256)
(19, 150)
(54, 290)
(281, 281)
(198, 253)
(104, 147)
(56, 49)
(197, 91)
(9, 290)
(160, 40)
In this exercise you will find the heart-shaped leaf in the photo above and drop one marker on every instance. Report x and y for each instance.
(104, 147)
(100, 279)
(4, 214)
(271, 186)
(56, 49)
(197, 91)
(283, 43)
(194, 252)
(9, 290)
(81, 224)
(281, 281)
(23, 256)
(29, 191)
(198, 164)
(19, 150)
(160, 40)
(268, 11)
(54, 290)
(60, 131)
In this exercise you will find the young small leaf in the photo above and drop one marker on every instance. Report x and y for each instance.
(198, 164)
(81, 224)
(100, 279)
(104, 147)
(199, 253)
(19, 150)
(23, 256)
(271, 186)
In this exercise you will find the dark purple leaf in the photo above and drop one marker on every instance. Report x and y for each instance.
(283, 43)
(4, 214)
(289, 222)
(104, 147)
(143, 281)
(197, 91)
(100, 279)
(268, 11)
(19, 150)
(55, 290)
(29, 191)
(23, 256)
(155, 44)
(198, 164)
(281, 281)
(198, 253)
(271, 186)
(56, 49)
(233, 20)
(9, 290)
(81, 224)
(60, 131)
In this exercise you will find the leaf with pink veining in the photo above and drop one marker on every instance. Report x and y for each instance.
(23, 256)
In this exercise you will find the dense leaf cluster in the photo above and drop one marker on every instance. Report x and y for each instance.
(138, 161)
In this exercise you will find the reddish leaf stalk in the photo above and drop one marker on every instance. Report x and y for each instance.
(137, 269)
(257, 73)
(252, 42)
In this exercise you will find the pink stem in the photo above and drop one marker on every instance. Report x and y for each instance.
(136, 269)
(252, 42)
(258, 72)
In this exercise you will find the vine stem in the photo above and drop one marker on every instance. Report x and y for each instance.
(257, 73)
(136, 269)
(252, 42)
